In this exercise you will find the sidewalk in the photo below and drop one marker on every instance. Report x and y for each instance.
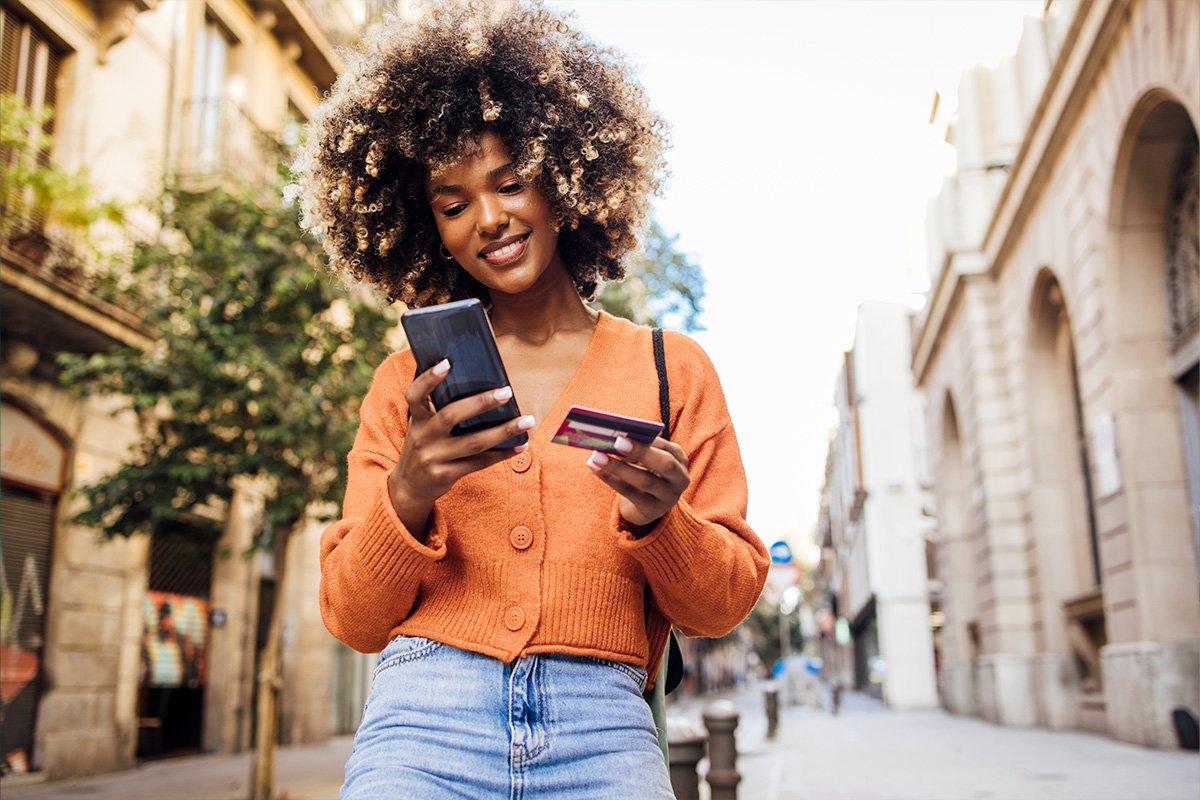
(312, 772)
(867, 752)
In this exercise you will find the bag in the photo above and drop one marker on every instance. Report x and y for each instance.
(670, 668)
(1187, 732)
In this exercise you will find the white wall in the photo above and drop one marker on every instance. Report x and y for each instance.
(893, 520)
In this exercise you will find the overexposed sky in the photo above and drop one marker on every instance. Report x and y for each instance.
(803, 159)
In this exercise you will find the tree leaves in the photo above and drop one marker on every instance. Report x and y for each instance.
(259, 370)
(662, 287)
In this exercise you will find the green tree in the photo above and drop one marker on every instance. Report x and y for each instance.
(763, 624)
(662, 287)
(260, 366)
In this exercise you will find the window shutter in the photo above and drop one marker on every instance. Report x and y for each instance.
(53, 61)
(9, 43)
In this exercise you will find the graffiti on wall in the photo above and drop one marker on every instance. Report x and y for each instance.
(21, 614)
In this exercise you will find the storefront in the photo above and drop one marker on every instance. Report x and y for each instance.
(32, 472)
(175, 645)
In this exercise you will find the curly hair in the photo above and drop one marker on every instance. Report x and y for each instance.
(416, 97)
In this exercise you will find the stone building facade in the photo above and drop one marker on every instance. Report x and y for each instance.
(873, 521)
(142, 89)
(1059, 354)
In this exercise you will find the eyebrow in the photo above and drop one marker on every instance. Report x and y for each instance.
(454, 188)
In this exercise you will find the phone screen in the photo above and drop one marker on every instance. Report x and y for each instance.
(460, 333)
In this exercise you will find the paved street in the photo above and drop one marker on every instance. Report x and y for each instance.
(870, 753)
(865, 753)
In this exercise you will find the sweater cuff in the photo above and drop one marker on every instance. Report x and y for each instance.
(667, 550)
(387, 548)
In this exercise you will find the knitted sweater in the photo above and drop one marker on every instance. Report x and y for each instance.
(530, 555)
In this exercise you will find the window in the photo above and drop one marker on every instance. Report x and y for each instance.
(213, 86)
(215, 48)
(29, 66)
(29, 63)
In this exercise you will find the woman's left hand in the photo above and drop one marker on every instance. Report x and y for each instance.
(650, 478)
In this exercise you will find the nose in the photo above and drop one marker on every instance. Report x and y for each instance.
(492, 217)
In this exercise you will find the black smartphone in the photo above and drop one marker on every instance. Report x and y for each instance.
(460, 332)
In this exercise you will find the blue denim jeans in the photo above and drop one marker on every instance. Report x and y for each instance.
(441, 722)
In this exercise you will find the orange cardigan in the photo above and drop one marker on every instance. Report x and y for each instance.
(529, 555)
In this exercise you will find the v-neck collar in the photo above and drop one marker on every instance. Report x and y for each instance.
(548, 425)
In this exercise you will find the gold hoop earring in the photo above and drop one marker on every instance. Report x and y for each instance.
(444, 252)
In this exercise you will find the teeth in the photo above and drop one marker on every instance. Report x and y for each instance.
(505, 251)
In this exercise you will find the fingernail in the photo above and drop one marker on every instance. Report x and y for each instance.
(442, 367)
(597, 459)
(525, 423)
(623, 444)
(502, 394)
(521, 448)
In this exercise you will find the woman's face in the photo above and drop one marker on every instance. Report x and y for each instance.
(499, 229)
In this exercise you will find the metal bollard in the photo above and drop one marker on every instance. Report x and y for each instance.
(686, 748)
(771, 697)
(721, 719)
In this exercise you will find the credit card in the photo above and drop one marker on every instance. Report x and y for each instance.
(598, 430)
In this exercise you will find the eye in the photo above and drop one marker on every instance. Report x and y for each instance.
(511, 188)
(454, 210)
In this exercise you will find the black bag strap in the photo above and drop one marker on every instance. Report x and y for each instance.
(664, 388)
(673, 657)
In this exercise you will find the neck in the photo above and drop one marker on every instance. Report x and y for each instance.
(536, 315)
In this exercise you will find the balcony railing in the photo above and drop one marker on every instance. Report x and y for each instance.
(75, 265)
(220, 141)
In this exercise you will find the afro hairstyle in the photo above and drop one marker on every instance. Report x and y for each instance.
(415, 98)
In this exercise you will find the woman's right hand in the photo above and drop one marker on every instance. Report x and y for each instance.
(432, 459)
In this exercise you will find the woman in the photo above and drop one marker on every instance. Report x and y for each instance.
(520, 598)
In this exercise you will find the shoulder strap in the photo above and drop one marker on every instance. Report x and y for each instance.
(657, 697)
(671, 669)
(664, 388)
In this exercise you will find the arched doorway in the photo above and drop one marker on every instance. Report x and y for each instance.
(1152, 353)
(32, 474)
(1064, 527)
(1154, 275)
(1181, 260)
(958, 557)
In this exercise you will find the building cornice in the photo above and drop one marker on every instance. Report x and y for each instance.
(1085, 49)
(943, 299)
(72, 24)
(1086, 44)
(314, 50)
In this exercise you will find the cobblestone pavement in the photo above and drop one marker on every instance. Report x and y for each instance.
(866, 752)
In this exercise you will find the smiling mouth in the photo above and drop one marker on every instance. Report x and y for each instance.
(505, 251)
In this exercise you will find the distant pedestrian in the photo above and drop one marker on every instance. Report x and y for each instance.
(522, 598)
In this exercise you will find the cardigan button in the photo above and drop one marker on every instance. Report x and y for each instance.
(514, 619)
(521, 461)
(521, 537)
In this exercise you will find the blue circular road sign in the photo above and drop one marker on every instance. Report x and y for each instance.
(781, 553)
